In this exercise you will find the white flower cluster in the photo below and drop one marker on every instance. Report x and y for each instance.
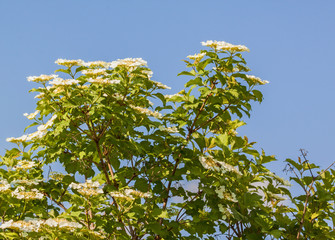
(35, 225)
(17, 140)
(128, 62)
(160, 85)
(256, 79)
(147, 111)
(89, 188)
(224, 46)
(170, 129)
(25, 165)
(223, 194)
(130, 194)
(62, 223)
(21, 193)
(148, 73)
(63, 82)
(172, 95)
(24, 226)
(197, 56)
(41, 131)
(94, 64)
(31, 115)
(103, 81)
(4, 186)
(42, 78)
(135, 193)
(27, 182)
(209, 162)
(70, 63)
(94, 72)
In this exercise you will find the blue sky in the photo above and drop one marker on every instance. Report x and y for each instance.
(291, 45)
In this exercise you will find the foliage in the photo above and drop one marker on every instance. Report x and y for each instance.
(134, 171)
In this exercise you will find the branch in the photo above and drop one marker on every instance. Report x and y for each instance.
(197, 195)
(58, 203)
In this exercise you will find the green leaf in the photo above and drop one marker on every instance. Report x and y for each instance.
(142, 185)
(186, 73)
(67, 71)
(197, 82)
(31, 125)
(222, 140)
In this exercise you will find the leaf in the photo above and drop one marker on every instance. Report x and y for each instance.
(186, 73)
(31, 125)
(258, 95)
(294, 164)
(315, 215)
(67, 71)
(197, 81)
(141, 184)
(222, 140)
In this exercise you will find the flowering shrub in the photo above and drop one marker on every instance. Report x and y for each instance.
(172, 169)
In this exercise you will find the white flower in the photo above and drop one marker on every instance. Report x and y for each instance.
(70, 63)
(171, 96)
(36, 135)
(170, 129)
(256, 79)
(103, 81)
(119, 195)
(23, 138)
(25, 165)
(62, 223)
(42, 78)
(48, 124)
(94, 72)
(224, 46)
(21, 193)
(160, 85)
(130, 194)
(148, 73)
(197, 56)
(96, 64)
(34, 225)
(24, 226)
(4, 185)
(146, 111)
(27, 182)
(210, 163)
(63, 82)
(223, 194)
(41, 131)
(128, 62)
(89, 188)
(31, 115)
(39, 95)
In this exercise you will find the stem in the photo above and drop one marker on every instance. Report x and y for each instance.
(57, 202)
(305, 209)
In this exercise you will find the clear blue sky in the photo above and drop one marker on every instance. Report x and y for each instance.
(291, 43)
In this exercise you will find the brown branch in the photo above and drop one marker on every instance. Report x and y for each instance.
(58, 203)
(197, 195)
(305, 209)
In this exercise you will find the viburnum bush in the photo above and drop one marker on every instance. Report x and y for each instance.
(132, 169)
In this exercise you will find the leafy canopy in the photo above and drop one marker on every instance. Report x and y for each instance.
(176, 169)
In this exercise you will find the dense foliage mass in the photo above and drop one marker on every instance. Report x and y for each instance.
(135, 171)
